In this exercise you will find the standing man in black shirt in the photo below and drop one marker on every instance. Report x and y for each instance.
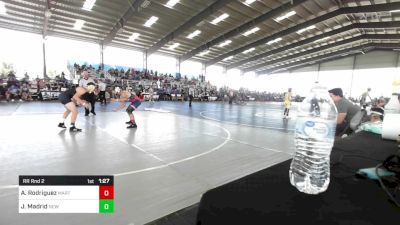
(89, 97)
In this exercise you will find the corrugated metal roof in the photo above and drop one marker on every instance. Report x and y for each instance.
(177, 22)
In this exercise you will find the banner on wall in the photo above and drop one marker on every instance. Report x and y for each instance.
(97, 65)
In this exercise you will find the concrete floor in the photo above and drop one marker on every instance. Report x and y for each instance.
(164, 165)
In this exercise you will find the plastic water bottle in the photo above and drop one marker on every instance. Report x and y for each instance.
(393, 106)
(314, 136)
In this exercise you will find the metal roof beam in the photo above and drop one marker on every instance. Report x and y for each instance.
(332, 58)
(244, 27)
(19, 27)
(314, 38)
(314, 50)
(133, 9)
(189, 24)
(376, 46)
(347, 10)
(325, 47)
(328, 57)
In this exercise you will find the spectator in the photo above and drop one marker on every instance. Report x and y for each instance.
(346, 111)
(381, 102)
(12, 93)
(230, 96)
(151, 94)
(3, 90)
(374, 124)
(11, 76)
(191, 95)
(25, 94)
(287, 102)
(102, 94)
(363, 98)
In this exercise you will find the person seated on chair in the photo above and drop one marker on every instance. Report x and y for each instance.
(381, 102)
(25, 94)
(346, 111)
(12, 93)
(3, 90)
(374, 124)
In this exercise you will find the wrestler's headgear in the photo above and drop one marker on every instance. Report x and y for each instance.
(90, 87)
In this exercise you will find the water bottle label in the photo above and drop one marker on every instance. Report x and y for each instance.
(315, 129)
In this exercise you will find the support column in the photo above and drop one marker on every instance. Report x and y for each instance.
(145, 60)
(352, 74)
(178, 65)
(44, 57)
(203, 71)
(319, 68)
(224, 72)
(101, 56)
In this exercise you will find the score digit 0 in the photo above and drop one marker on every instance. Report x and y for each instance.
(106, 192)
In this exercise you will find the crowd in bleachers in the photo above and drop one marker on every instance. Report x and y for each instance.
(26, 89)
(164, 86)
(247, 95)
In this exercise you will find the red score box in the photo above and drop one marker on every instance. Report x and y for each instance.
(106, 192)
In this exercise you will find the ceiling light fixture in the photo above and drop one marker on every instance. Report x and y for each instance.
(79, 24)
(305, 29)
(134, 36)
(88, 5)
(47, 13)
(322, 39)
(204, 52)
(287, 15)
(227, 42)
(247, 33)
(174, 46)
(274, 41)
(171, 3)
(145, 4)
(151, 21)
(220, 18)
(193, 34)
(3, 10)
(248, 2)
(397, 10)
(228, 58)
(249, 50)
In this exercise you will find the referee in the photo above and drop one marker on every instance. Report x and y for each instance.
(89, 97)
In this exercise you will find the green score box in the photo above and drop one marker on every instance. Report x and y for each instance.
(106, 206)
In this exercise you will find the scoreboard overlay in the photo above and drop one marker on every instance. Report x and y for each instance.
(66, 194)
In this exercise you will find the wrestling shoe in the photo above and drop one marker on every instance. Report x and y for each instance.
(74, 129)
(132, 126)
(62, 125)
